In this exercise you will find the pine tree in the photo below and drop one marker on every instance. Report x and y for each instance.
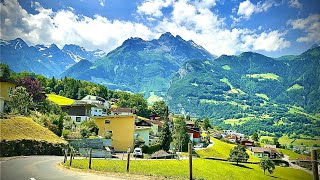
(165, 134)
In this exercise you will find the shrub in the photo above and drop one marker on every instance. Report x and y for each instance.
(66, 133)
(107, 135)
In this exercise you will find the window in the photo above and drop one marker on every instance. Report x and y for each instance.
(106, 121)
(78, 119)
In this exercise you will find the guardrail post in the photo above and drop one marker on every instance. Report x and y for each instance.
(314, 165)
(128, 159)
(190, 159)
(90, 156)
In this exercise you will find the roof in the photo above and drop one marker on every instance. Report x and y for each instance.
(90, 97)
(157, 122)
(118, 110)
(190, 122)
(8, 80)
(160, 153)
(260, 149)
(143, 123)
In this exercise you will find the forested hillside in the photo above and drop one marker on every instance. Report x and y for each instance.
(252, 92)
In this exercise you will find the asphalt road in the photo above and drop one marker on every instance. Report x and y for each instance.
(43, 168)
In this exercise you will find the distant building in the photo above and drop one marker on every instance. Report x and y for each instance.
(265, 152)
(194, 134)
(96, 100)
(248, 143)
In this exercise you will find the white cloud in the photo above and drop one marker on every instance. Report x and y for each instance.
(295, 4)
(102, 2)
(271, 41)
(246, 8)
(310, 26)
(153, 7)
(207, 29)
(65, 27)
(191, 20)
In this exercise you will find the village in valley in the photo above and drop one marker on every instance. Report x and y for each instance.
(97, 128)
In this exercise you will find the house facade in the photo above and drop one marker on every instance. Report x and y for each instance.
(122, 128)
(6, 88)
(194, 134)
(265, 152)
(78, 112)
(144, 132)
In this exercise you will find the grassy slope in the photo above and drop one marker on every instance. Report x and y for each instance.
(221, 149)
(206, 169)
(18, 128)
(291, 154)
(60, 100)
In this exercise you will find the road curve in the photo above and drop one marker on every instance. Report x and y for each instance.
(43, 168)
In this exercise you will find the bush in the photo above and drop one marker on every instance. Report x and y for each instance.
(107, 135)
(66, 133)
(30, 147)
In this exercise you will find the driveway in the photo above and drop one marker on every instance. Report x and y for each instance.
(46, 167)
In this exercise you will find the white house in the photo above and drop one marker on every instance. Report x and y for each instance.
(100, 105)
(96, 100)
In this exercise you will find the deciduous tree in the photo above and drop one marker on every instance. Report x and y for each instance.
(267, 164)
(238, 154)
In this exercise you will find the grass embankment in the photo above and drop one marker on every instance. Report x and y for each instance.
(18, 128)
(221, 150)
(291, 154)
(179, 169)
(60, 100)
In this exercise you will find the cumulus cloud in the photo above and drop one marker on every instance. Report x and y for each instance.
(65, 27)
(246, 8)
(191, 20)
(271, 41)
(153, 7)
(310, 26)
(295, 4)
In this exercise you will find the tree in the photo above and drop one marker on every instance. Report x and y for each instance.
(238, 154)
(267, 164)
(165, 134)
(159, 108)
(4, 71)
(20, 100)
(180, 135)
(276, 142)
(33, 87)
(206, 124)
(255, 136)
(135, 101)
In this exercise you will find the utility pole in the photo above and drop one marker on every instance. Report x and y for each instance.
(314, 165)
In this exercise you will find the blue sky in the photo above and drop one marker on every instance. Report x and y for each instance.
(270, 27)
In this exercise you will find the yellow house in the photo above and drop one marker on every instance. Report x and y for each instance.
(6, 88)
(122, 129)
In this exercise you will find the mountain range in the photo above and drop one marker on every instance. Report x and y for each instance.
(47, 60)
(190, 78)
